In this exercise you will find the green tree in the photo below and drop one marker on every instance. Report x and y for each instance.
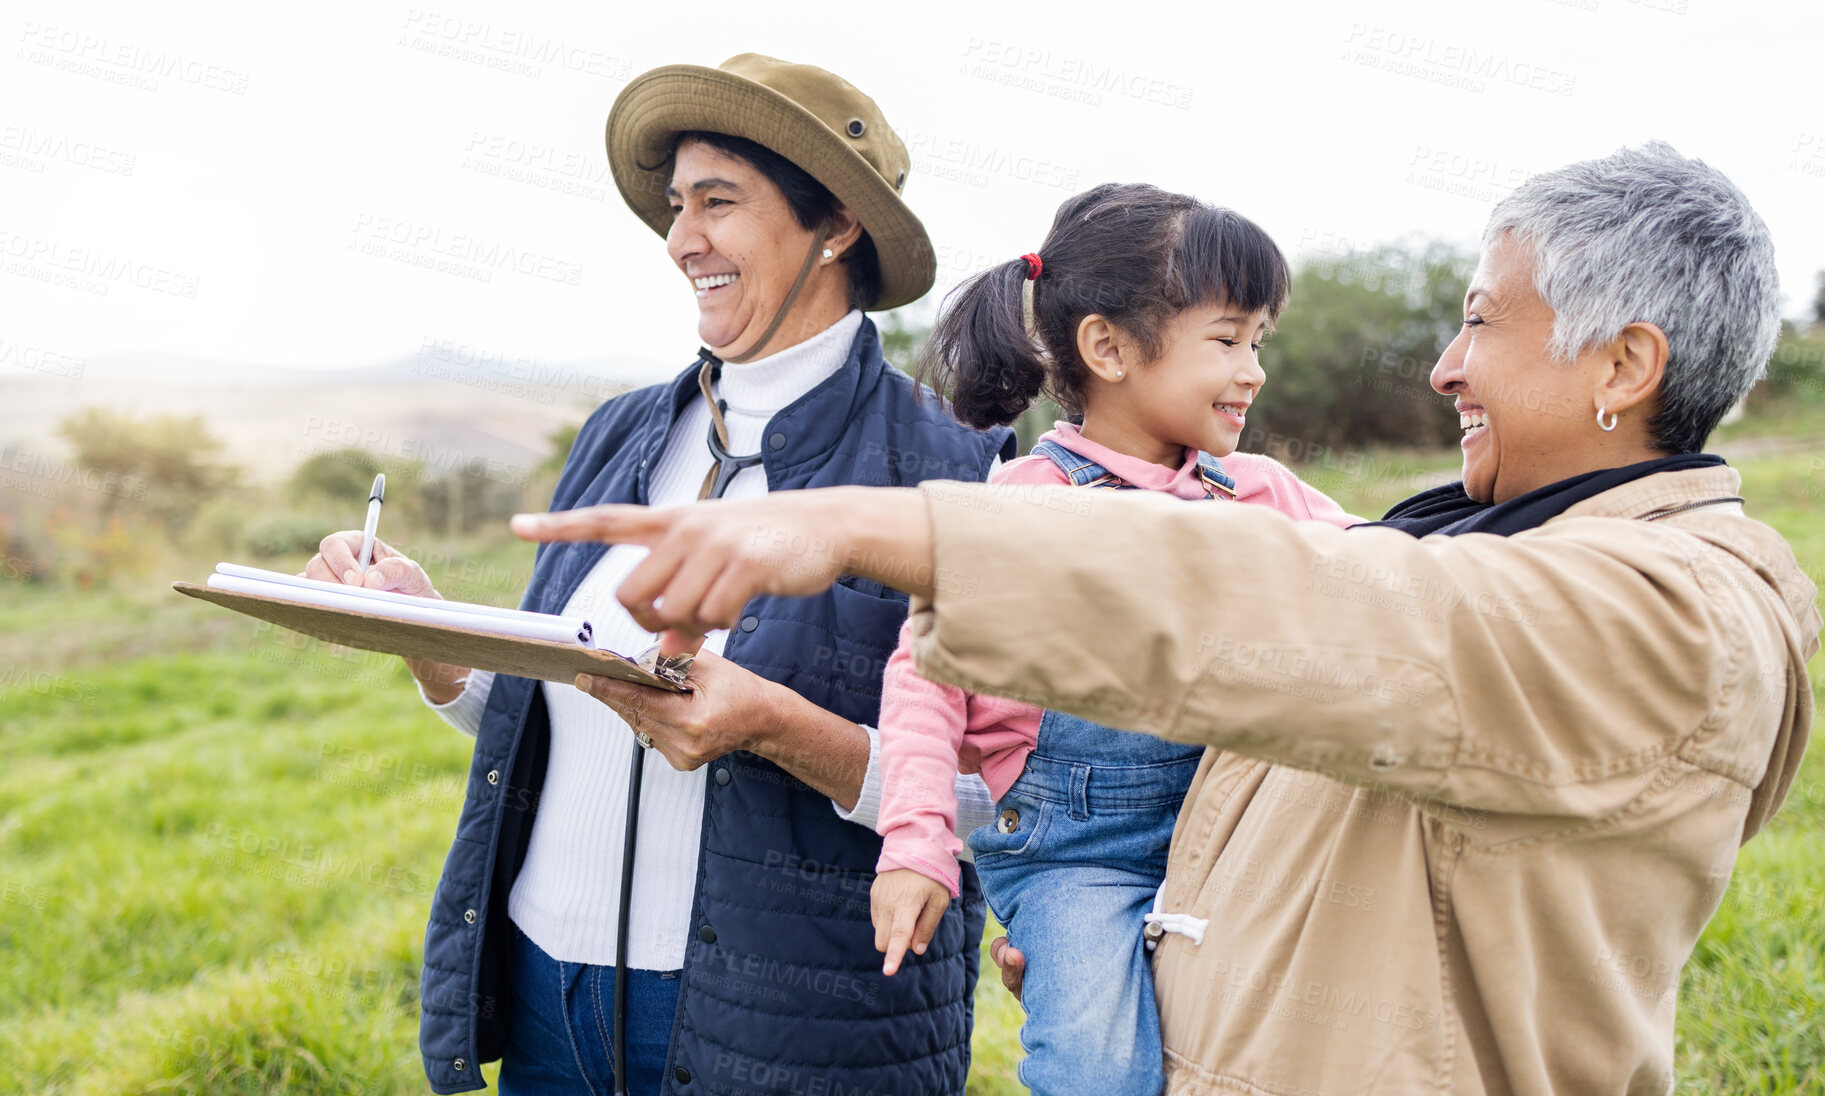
(1350, 364)
(335, 476)
(474, 493)
(170, 465)
(1796, 371)
(335, 483)
(901, 342)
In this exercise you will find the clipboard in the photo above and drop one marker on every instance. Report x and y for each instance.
(541, 659)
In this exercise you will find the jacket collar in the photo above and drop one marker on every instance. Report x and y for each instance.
(803, 431)
(1767, 555)
(1663, 491)
(807, 429)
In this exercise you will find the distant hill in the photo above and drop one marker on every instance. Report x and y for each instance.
(441, 402)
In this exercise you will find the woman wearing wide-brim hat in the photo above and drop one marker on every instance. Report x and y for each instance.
(723, 922)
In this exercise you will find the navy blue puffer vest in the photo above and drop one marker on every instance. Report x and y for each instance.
(782, 990)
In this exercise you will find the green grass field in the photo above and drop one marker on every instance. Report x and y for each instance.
(218, 842)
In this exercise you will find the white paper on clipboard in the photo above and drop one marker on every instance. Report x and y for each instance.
(423, 610)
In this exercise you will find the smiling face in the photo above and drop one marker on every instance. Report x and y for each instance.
(736, 240)
(1527, 418)
(1195, 394)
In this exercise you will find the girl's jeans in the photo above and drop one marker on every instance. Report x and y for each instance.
(1070, 867)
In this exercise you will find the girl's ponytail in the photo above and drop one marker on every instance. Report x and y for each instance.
(980, 353)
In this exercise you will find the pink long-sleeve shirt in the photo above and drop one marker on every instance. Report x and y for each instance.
(929, 732)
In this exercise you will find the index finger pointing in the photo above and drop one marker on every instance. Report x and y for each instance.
(611, 524)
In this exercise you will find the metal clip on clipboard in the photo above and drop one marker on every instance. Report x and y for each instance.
(673, 668)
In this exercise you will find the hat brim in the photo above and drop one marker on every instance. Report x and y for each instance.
(675, 99)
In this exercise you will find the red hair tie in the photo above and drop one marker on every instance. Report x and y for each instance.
(1034, 266)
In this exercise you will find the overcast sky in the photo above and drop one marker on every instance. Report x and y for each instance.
(229, 181)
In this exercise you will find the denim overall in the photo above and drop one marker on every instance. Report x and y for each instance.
(1070, 866)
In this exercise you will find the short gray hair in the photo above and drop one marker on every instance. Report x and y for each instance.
(1648, 235)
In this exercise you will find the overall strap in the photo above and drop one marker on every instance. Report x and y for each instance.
(1219, 483)
(1079, 469)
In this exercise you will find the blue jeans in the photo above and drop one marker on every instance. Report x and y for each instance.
(1070, 867)
(560, 1032)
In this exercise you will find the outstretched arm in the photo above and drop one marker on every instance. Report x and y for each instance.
(1456, 668)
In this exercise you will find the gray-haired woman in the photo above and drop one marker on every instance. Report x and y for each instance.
(1479, 772)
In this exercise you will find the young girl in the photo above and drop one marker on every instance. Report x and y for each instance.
(1148, 312)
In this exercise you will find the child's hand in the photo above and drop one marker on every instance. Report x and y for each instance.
(906, 907)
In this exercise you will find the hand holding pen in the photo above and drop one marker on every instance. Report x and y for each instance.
(362, 559)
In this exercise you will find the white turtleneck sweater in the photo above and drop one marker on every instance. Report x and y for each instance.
(567, 896)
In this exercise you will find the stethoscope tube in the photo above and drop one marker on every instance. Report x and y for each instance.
(634, 773)
(728, 466)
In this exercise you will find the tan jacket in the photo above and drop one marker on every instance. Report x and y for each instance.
(1471, 799)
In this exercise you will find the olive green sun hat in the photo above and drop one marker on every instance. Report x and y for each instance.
(814, 118)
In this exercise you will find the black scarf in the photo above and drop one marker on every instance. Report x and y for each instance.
(1448, 510)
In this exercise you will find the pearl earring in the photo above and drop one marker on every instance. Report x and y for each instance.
(829, 254)
(1119, 374)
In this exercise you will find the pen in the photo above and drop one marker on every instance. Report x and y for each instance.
(375, 498)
